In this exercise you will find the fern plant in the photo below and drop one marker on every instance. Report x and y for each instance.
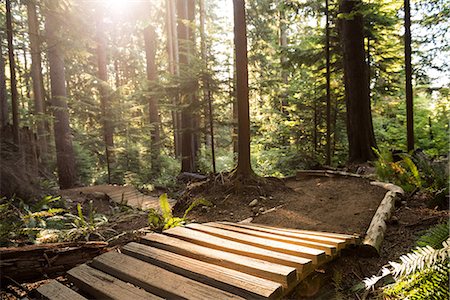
(422, 273)
(164, 219)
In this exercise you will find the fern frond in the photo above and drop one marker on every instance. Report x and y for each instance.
(419, 259)
(435, 236)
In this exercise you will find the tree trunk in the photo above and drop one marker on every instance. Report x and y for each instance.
(63, 138)
(207, 89)
(244, 167)
(328, 75)
(12, 69)
(36, 75)
(360, 133)
(105, 101)
(187, 155)
(150, 52)
(408, 81)
(3, 96)
(172, 50)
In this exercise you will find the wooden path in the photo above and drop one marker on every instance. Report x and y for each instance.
(126, 195)
(204, 261)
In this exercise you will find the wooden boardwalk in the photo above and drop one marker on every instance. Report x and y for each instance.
(204, 261)
(126, 195)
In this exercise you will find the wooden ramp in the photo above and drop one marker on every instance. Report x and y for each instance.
(126, 195)
(204, 261)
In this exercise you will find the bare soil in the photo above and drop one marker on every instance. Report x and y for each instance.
(334, 204)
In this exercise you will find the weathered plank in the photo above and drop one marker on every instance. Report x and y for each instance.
(156, 280)
(230, 280)
(334, 239)
(240, 248)
(104, 286)
(126, 195)
(316, 256)
(53, 290)
(275, 272)
(328, 248)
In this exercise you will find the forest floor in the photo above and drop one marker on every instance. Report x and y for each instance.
(332, 204)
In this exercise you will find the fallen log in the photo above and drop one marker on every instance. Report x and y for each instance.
(36, 261)
(371, 244)
(329, 173)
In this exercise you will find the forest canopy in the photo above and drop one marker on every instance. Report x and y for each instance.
(137, 91)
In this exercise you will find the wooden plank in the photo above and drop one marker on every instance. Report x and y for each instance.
(224, 244)
(156, 280)
(328, 248)
(279, 273)
(340, 243)
(104, 286)
(316, 256)
(352, 239)
(235, 282)
(53, 290)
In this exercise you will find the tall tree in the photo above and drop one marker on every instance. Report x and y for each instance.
(360, 133)
(3, 95)
(36, 75)
(65, 158)
(105, 101)
(150, 52)
(12, 69)
(408, 79)
(187, 155)
(174, 68)
(207, 98)
(244, 168)
(328, 80)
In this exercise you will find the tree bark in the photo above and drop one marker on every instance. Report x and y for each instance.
(371, 244)
(3, 97)
(105, 99)
(328, 80)
(187, 155)
(34, 261)
(36, 75)
(360, 133)
(207, 89)
(12, 69)
(172, 50)
(63, 138)
(244, 167)
(150, 52)
(408, 80)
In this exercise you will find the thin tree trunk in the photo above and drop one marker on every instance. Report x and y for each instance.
(235, 108)
(12, 68)
(63, 138)
(244, 168)
(172, 49)
(283, 44)
(207, 89)
(150, 51)
(359, 117)
(408, 81)
(3, 96)
(105, 101)
(187, 155)
(328, 74)
(36, 75)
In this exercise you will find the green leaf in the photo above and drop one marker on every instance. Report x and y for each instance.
(165, 207)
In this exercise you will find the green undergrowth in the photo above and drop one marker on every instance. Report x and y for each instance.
(421, 274)
(47, 220)
(164, 219)
(415, 172)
